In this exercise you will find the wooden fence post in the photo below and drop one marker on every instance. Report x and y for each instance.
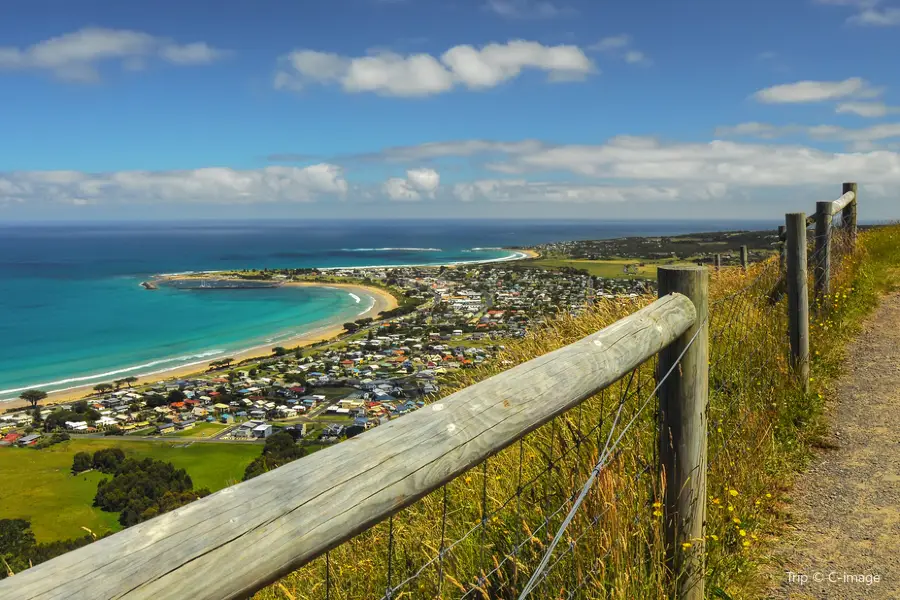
(848, 214)
(745, 260)
(782, 248)
(718, 261)
(822, 263)
(682, 433)
(798, 296)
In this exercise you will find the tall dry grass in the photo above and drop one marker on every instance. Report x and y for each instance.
(482, 535)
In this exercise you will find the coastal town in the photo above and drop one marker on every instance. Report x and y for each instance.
(449, 318)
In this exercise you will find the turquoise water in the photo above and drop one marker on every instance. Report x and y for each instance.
(111, 328)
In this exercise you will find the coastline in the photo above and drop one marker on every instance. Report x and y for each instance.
(381, 301)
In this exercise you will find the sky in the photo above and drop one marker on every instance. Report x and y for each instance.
(447, 108)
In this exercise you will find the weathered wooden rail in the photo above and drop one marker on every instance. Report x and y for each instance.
(236, 541)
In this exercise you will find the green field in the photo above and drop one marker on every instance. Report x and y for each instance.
(611, 268)
(38, 484)
(200, 430)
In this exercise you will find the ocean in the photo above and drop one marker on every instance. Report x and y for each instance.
(72, 311)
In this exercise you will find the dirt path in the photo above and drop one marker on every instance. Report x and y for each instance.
(845, 542)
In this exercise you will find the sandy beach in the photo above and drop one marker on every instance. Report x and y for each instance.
(383, 301)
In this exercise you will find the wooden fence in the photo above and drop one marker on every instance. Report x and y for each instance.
(238, 540)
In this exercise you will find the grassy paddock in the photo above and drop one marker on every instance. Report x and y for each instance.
(762, 430)
(38, 484)
(611, 268)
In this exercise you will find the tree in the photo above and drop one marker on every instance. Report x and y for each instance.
(279, 351)
(102, 388)
(140, 490)
(36, 417)
(351, 327)
(108, 460)
(130, 380)
(16, 542)
(82, 462)
(175, 396)
(33, 396)
(280, 449)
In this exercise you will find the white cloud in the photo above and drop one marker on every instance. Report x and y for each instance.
(434, 150)
(634, 57)
(527, 9)
(868, 12)
(887, 17)
(214, 185)
(391, 74)
(866, 109)
(197, 53)
(815, 91)
(873, 133)
(75, 56)
(418, 182)
(521, 190)
(621, 46)
(615, 42)
(716, 162)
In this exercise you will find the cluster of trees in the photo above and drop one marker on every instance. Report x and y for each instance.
(115, 385)
(280, 449)
(80, 412)
(407, 306)
(221, 363)
(49, 440)
(139, 489)
(19, 549)
(358, 324)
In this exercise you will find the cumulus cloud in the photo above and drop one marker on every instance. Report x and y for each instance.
(716, 162)
(214, 185)
(815, 91)
(75, 56)
(527, 9)
(391, 74)
(418, 182)
(621, 46)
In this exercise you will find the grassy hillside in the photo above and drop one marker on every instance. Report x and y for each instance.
(38, 484)
(762, 429)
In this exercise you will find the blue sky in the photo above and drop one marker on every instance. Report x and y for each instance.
(416, 108)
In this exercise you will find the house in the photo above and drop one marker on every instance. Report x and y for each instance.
(262, 431)
(165, 428)
(186, 424)
(29, 440)
(10, 438)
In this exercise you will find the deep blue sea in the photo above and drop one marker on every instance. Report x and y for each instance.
(72, 311)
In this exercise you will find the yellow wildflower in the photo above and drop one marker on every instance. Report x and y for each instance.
(733, 492)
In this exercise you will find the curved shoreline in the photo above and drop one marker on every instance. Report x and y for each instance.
(381, 301)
